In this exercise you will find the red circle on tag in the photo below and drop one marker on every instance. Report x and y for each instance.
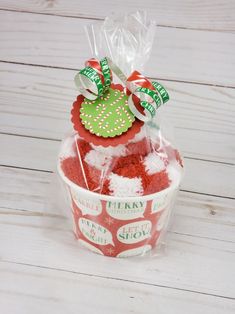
(98, 140)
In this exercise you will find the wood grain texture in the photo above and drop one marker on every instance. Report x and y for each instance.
(189, 263)
(52, 291)
(42, 154)
(209, 14)
(24, 190)
(37, 101)
(28, 192)
(178, 54)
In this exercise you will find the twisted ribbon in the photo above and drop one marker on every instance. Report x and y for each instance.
(95, 79)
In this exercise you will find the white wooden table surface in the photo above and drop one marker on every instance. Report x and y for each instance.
(42, 43)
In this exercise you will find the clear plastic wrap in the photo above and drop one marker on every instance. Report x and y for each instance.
(126, 39)
(121, 195)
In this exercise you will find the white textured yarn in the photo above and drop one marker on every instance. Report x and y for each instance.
(97, 159)
(173, 172)
(153, 163)
(119, 150)
(67, 149)
(121, 186)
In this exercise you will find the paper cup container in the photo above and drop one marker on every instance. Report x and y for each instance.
(120, 227)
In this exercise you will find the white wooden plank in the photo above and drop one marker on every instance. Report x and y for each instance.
(191, 263)
(204, 216)
(42, 154)
(178, 54)
(36, 102)
(42, 290)
(210, 14)
(209, 177)
(29, 152)
(27, 192)
(24, 189)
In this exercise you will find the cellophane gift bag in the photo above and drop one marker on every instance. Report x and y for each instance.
(119, 172)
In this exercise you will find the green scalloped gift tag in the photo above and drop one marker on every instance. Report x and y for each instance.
(107, 116)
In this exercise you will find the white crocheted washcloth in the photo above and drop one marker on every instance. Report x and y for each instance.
(121, 186)
(97, 159)
(153, 163)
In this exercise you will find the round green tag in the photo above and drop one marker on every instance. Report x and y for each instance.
(107, 116)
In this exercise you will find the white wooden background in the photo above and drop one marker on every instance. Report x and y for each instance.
(42, 43)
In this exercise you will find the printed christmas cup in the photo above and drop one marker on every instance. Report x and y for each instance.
(120, 227)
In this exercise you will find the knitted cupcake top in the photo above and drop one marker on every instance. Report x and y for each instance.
(135, 169)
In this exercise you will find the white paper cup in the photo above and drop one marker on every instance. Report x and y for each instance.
(120, 227)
